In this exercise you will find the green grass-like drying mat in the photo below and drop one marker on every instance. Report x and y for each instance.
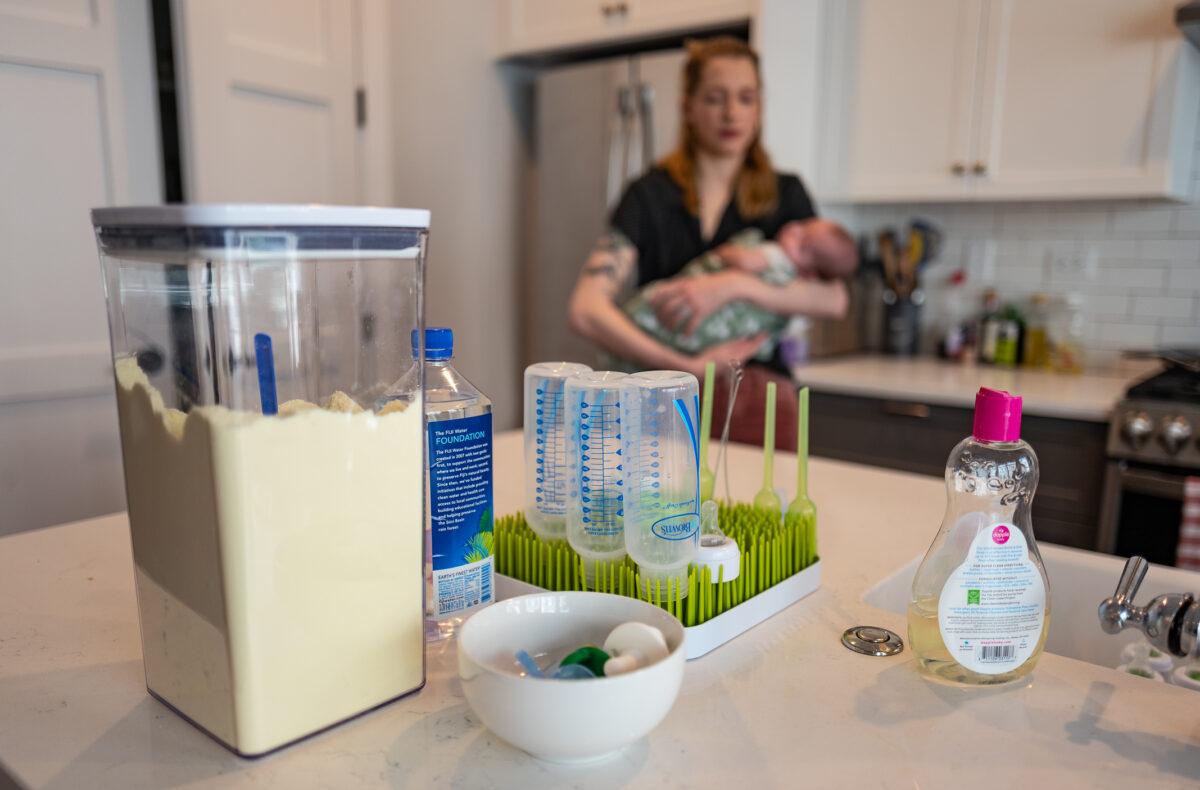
(771, 552)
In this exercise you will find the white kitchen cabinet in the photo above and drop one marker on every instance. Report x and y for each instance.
(1006, 100)
(1085, 98)
(898, 92)
(539, 27)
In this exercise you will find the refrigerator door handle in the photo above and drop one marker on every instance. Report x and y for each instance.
(618, 145)
(646, 110)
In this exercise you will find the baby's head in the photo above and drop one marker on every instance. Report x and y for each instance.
(819, 248)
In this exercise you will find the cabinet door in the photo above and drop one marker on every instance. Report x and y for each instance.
(668, 15)
(900, 101)
(267, 97)
(536, 25)
(542, 26)
(1078, 97)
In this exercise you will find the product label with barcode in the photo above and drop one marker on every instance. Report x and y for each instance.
(460, 513)
(993, 606)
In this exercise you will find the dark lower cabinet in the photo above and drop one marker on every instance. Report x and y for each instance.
(917, 437)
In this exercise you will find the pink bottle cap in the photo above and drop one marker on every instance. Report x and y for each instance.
(997, 416)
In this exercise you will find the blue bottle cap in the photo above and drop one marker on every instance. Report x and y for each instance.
(439, 342)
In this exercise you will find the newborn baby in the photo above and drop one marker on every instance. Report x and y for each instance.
(808, 249)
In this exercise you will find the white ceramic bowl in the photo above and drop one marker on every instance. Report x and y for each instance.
(565, 720)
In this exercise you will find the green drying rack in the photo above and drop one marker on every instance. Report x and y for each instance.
(779, 566)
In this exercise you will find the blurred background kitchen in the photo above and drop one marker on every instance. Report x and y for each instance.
(1023, 177)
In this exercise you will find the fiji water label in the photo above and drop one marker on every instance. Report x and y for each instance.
(993, 606)
(460, 512)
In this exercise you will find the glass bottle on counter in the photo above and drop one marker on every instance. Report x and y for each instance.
(1037, 331)
(1067, 333)
(980, 606)
(989, 327)
(1008, 337)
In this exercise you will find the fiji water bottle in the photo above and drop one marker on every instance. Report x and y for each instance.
(980, 606)
(459, 573)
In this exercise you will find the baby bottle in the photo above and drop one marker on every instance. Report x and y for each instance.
(660, 424)
(980, 606)
(546, 468)
(595, 490)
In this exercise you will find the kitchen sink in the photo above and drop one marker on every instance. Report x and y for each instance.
(1079, 581)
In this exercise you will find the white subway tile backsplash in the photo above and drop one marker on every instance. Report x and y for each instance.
(1112, 249)
(1187, 221)
(1080, 223)
(1142, 219)
(1019, 276)
(1108, 305)
(1136, 262)
(1132, 275)
(1020, 222)
(1180, 335)
(1118, 335)
(1182, 250)
(1184, 277)
(1171, 309)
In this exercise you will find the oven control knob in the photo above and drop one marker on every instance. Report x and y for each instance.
(1174, 434)
(1137, 428)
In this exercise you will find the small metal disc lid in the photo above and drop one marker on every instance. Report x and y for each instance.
(871, 640)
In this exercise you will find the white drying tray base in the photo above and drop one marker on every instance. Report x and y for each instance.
(708, 636)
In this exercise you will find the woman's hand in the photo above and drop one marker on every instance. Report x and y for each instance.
(687, 301)
(746, 259)
(730, 351)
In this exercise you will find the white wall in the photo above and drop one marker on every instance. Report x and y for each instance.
(458, 152)
(1137, 263)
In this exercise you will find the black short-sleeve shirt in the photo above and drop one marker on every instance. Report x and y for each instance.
(652, 215)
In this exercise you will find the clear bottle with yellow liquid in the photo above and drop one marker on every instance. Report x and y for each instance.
(980, 606)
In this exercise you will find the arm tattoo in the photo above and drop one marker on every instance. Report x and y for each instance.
(601, 266)
(613, 259)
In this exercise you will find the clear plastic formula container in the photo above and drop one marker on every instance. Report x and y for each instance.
(276, 517)
(595, 498)
(547, 472)
(660, 421)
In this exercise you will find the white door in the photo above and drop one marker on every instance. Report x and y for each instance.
(1077, 98)
(903, 77)
(79, 130)
(267, 100)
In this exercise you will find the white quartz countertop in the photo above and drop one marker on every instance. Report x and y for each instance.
(784, 705)
(1089, 396)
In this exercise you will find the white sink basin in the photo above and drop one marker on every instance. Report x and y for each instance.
(1079, 581)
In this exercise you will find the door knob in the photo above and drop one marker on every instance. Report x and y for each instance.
(958, 168)
(979, 168)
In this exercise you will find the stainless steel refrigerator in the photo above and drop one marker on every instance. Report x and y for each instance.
(598, 126)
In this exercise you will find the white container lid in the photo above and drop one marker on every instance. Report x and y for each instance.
(257, 215)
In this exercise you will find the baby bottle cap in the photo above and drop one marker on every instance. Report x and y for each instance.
(997, 416)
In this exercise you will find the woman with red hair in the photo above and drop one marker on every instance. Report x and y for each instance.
(717, 183)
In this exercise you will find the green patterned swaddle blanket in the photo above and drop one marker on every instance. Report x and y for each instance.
(734, 320)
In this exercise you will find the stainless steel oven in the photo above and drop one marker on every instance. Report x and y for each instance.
(1142, 510)
(1152, 450)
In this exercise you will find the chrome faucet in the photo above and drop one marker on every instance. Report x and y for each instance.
(1171, 622)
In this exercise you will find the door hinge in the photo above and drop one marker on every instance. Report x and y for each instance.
(360, 107)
